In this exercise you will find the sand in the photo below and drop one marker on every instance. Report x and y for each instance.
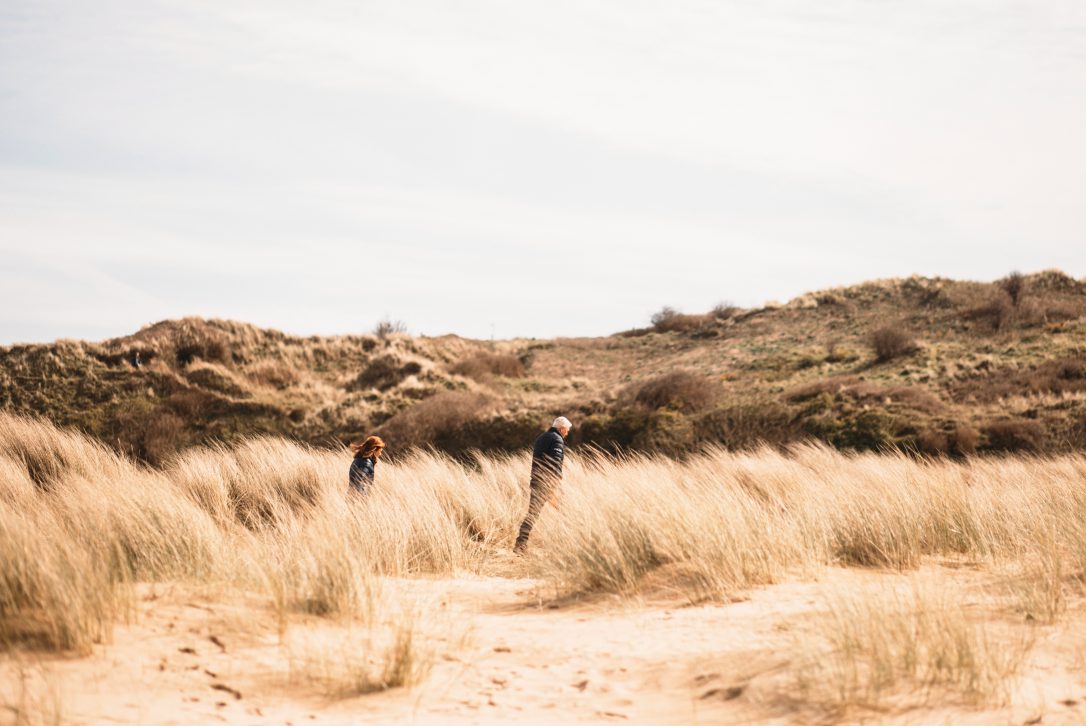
(501, 655)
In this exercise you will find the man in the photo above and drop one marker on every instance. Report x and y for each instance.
(547, 455)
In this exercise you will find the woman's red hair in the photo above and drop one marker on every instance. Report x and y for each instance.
(366, 449)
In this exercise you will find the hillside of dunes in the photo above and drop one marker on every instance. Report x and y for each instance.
(926, 365)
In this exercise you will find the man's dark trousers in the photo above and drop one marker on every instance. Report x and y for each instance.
(538, 495)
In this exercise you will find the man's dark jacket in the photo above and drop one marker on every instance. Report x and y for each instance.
(547, 455)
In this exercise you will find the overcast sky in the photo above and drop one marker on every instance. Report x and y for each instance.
(523, 168)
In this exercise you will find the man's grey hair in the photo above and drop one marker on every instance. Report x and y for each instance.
(562, 423)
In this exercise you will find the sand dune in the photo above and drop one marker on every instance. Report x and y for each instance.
(192, 656)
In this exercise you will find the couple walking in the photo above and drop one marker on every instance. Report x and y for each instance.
(548, 452)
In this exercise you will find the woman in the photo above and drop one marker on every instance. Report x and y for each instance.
(366, 455)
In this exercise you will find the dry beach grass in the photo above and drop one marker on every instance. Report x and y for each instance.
(84, 533)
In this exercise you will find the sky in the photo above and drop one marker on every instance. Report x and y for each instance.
(531, 168)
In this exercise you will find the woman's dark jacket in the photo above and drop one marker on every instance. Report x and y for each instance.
(362, 471)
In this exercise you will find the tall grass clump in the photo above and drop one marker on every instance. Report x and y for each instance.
(870, 650)
(630, 517)
(316, 574)
(724, 521)
(259, 483)
(80, 523)
(53, 596)
(356, 663)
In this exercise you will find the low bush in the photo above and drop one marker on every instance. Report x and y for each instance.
(387, 328)
(959, 441)
(964, 440)
(1014, 435)
(615, 431)
(1060, 313)
(1014, 285)
(724, 311)
(680, 390)
(748, 424)
(666, 431)
(439, 421)
(200, 344)
(934, 297)
(1054, 377)
(914, 397)
(868, 430)
(836, 353)
(997, 314)
(1067, 375)
(384, 372)
(482, 365)
(165, 435)
(735, 425)
(192, 404)
(833, 386)
(850, 388)
(1033, 312)
(891, 343)
(669, 320)
(149, 432)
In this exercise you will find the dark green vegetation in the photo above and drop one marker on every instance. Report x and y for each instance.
(929, 365)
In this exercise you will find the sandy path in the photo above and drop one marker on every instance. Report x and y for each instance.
(594, 662)
(192, 657)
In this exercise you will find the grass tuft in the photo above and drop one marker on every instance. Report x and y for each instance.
(873, 650)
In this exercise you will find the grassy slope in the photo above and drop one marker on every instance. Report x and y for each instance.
(779, 373)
